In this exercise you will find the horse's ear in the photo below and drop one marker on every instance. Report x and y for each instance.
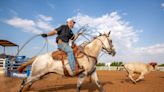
(100, 34)
(109, 33)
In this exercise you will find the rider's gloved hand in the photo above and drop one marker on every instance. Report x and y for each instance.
(44, 35)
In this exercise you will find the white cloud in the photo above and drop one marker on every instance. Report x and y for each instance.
(162, 5)
(45, 18)
(13, 12)
(51, 5)
(24, 24)
(124, 37)
(76, 10)
(147, 54)
(44, 25)
(32, 26)
(151, 50)
(122, 33)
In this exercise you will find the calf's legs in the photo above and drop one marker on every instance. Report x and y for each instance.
(140, 77)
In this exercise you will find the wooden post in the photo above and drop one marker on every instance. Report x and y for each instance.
(4, 50)
(18, 50)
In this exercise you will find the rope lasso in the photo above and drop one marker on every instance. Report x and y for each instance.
(29, 40)
(27, 43)
(44, 46)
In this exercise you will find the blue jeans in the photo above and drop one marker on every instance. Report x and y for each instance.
(71, 59)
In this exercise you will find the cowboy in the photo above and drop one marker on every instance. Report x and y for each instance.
(65, 33)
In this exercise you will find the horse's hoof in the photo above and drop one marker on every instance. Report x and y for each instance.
(101, 89)
(77, 90)
(20, 90)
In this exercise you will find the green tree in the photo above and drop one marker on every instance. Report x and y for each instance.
(100, 64)
(161, 65)
(115, 63)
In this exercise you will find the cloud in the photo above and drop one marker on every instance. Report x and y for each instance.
(44, 25)
(45, 18)
(51, 5)
(162, 5)
(151, 50)
(124, 37)
(146, 54)
(76, 10)
(32, 26)
(13, 12)
(122, 33)
(24, 24)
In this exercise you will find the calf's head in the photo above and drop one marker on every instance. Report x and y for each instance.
(154, 65)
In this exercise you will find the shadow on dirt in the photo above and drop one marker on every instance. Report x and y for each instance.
(91, 87)
(129, 81)
(161, 77)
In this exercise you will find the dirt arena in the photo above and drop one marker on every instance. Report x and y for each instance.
(112, 81)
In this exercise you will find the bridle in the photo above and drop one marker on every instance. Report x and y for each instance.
(104, 47)
(109, 42)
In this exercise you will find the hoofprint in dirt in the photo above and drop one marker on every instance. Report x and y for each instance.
(112, 81)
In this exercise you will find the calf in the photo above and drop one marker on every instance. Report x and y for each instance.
(139, 68)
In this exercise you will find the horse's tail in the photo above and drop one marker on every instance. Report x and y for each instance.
(24, 65)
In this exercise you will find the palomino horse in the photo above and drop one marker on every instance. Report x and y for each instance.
(44, 64)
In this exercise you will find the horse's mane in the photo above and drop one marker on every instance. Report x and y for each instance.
(88, 42)
(84, 44)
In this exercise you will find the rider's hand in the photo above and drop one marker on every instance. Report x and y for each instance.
(44, 35)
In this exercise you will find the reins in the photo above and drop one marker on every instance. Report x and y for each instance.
(98, 39)
(90, 42)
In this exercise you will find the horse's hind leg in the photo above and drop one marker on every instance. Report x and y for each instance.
(95, 78)
(80, 80)
(27, 81)
(30, 80)
(38, 78)
(22, 85)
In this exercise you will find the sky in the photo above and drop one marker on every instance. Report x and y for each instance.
(137, 26)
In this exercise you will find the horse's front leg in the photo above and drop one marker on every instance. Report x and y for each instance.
(95, 78)
(80, 80)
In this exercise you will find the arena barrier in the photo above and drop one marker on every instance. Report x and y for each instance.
(119, 68)
(11, 67)
(2, 63)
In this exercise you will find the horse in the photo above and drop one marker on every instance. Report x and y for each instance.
(43, 64)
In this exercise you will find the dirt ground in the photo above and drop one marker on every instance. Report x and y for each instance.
(112, 81)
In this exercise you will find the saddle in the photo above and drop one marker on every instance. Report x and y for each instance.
(61, 55)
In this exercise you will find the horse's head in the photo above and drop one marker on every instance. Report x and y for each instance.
(107, 44)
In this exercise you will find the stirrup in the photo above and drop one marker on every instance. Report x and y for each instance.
(77, 72)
